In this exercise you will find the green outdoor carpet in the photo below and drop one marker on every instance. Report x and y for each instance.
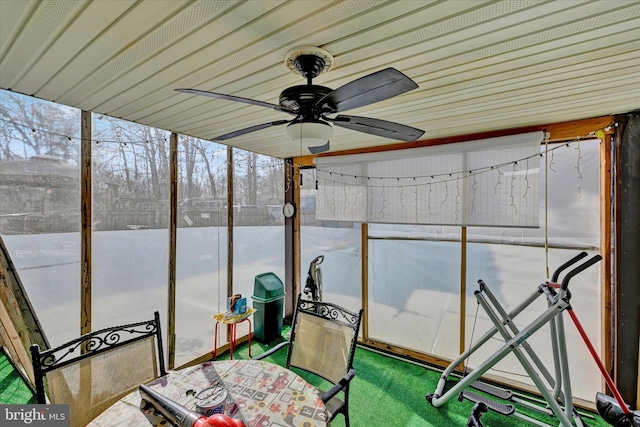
(387, 392)
(13, 388)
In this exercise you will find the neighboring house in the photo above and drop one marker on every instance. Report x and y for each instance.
(39, 194)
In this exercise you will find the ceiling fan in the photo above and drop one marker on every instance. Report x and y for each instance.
(311, 104)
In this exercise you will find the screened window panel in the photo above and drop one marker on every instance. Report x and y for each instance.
(340, 244)
(40, 206)
(130, 198)
(258, 232)
(341, 268)
(572, 201)
(414, 289)
(201, 246)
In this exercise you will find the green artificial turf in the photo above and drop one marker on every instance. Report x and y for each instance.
(13, 388)
(391, 393)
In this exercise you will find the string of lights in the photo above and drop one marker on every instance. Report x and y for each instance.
(445, 177)
(339, 178)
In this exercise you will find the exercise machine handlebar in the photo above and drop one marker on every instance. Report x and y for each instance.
(577, 270)
(564, 266)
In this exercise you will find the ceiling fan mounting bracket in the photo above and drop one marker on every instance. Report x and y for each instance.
(309, 61)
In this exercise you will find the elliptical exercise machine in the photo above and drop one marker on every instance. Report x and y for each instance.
(557, 389)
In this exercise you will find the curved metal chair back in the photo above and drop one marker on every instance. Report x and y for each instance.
(323, 342)
(92, 372)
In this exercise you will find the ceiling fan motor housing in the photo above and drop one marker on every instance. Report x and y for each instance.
(303, 99)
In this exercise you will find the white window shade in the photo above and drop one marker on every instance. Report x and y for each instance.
(488, 182)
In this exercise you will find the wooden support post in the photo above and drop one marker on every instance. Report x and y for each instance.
(230, 196)
(173, 229)
(297, 273)
(291, 238)
(230, 172)
(10, 338)
(463, 290)
(364, 242)
(606, 221)
(85, 222)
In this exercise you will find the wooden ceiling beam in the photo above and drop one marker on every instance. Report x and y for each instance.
(565, 131)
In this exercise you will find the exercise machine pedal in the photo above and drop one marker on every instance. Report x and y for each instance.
(498, 407)
(492, 390)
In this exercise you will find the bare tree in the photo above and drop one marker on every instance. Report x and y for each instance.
(189, 163)
(252, 178)
(207, 151)
(271, 178)
(31, 127)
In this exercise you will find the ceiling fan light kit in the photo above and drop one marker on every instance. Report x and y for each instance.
(311, 104)
(309, 134)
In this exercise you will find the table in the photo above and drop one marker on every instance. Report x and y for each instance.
(263, 394)
(233, 323)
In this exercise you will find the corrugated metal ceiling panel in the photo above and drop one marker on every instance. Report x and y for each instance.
(480, 65)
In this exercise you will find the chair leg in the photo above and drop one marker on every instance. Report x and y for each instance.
(345, 410)
(232, 342)
(249, 336)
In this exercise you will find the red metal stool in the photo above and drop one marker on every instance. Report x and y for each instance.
(232, 322)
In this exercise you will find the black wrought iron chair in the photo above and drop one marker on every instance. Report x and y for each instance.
(92, 372)
(323, 342)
